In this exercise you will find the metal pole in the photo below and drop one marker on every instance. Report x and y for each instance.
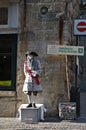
(76, 67)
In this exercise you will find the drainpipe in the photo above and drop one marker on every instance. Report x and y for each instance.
(25, 14)
(60, 30)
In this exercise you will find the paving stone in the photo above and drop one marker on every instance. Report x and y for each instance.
(48, 124)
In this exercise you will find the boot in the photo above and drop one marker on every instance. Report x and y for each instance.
(29, 105)
(34, 105)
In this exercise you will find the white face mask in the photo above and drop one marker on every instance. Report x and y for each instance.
(29, 57)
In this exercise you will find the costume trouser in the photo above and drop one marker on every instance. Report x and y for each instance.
(31, 98)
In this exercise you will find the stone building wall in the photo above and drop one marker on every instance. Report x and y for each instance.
(40, 31)
(37, 32)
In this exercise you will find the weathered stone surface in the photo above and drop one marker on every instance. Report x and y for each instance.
(8, 107)
(48, 124)
(42, 31)
(37, 32)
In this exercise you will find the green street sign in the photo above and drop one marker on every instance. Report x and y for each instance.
(65, 50)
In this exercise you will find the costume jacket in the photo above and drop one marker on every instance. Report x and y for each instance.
(32, 70)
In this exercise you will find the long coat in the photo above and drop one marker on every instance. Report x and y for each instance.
(32, 70)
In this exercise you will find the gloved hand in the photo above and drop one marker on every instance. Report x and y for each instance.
(34, 73)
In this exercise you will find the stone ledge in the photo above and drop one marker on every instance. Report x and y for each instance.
(7, 93)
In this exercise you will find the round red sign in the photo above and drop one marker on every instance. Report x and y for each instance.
(81, 26)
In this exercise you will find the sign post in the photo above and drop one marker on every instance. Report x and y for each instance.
(76, 66)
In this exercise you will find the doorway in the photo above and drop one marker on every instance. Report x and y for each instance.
(8, 56)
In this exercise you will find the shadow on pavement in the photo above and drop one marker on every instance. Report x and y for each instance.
(52, 119)
(58, 120)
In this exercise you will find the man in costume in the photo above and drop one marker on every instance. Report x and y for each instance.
(32, 70)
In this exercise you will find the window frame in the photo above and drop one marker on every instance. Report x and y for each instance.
(13, 15)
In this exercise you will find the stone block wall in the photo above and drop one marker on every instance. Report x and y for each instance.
(43, 30)
(37, 32)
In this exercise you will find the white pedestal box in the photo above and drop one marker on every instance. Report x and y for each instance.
(31, 114)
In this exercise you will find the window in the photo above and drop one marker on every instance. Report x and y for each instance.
(9, 15)
(3, 16)
(83, 4)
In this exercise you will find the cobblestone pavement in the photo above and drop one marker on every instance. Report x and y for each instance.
(51, 124)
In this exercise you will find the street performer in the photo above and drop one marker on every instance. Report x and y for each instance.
(32, 70)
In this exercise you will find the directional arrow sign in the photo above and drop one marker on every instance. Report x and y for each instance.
(80, 27)
(65, 50)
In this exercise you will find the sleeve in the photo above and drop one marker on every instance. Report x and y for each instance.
(39, 67)
(25, 69)
(38, 71)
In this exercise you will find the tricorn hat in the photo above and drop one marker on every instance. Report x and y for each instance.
(33, 53)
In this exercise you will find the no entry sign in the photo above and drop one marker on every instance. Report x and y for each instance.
(80, 27)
